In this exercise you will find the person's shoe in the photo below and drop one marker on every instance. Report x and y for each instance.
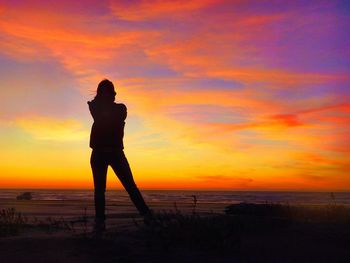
(99, 228)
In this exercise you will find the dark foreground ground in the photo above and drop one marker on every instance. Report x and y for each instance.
(301, 235)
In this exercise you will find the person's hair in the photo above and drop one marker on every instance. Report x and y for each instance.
(105, 87)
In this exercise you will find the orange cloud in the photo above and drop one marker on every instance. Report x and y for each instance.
(344, 107)
(150, 9)
(196, 58)
(40, 34)
(324, 159)
(224, 181)
(43, 128)
(278, 76)
(289, 120)
(260, 20)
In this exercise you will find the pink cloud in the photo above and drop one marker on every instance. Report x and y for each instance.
(146, 9)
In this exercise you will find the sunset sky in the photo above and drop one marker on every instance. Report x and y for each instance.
(241, 95)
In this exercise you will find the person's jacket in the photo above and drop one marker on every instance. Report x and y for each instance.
(107, 131)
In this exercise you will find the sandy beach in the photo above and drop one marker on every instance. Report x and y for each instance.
(256, 239)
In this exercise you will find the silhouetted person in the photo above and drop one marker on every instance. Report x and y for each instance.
(106, 140)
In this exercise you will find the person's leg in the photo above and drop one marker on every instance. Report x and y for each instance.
(122, 169)
(99, 167)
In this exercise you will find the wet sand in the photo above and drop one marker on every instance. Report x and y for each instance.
(68, 209)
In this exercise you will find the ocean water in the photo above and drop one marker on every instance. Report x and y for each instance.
(177, 196)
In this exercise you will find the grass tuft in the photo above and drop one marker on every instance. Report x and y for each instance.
(11, 222)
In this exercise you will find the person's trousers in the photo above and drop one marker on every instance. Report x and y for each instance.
(116, 159)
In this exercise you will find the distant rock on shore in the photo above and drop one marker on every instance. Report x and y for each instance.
(25, 196)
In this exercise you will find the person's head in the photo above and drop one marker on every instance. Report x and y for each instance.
(105, 91)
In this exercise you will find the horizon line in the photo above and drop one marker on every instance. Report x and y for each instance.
(187, 189)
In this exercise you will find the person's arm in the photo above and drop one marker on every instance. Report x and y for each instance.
(93, 110)
(124, 111)
(121, 111)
